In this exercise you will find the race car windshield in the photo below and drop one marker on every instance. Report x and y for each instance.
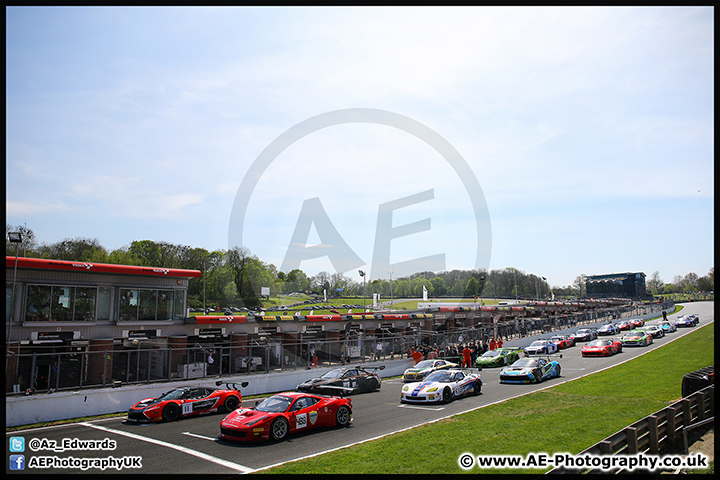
(333, 373)
(557, 339)
(175, 394)
(439, 377)
(596, 343)
(526, 362)
(537, 343)
(276, 403)
(583, 332)
(425, 364)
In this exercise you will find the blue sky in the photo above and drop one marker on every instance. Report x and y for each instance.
(589, 130)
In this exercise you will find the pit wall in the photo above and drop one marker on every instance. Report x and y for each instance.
(84, 403)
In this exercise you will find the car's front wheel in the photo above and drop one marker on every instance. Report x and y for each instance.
(171, 412)
(477, 387)
(279, 429)
(446, 395)
(342, 416)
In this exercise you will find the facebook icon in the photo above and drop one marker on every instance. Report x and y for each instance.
(17, 462)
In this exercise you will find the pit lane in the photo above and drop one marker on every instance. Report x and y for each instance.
(192, 446)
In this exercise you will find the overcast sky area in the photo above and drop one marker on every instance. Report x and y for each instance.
(558, 141)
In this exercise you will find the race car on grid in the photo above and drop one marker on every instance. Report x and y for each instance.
(541, 347)
(687, 321)
(636, 322)
(585, 335)
(563, 341)
(283, 414)
(668, 327)
(498, 357)
(530, 370)
(637, 338)
(623, 325)
(609, 329)
(602, 347)
(345, 379)
(425, 367)
(653, 329)
(442, 387)
(184, 402)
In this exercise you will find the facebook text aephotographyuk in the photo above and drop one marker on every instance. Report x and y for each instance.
(628, 462)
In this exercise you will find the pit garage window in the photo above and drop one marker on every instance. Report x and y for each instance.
(64, 303)
(138, 304)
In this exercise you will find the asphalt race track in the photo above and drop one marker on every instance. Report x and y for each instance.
(192, 446)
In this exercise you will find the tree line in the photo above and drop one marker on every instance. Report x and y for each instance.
(235, 277)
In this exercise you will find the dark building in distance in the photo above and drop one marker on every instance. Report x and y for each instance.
(617, 285)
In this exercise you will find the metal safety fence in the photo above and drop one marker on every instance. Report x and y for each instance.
(48, 372)
(29, 373)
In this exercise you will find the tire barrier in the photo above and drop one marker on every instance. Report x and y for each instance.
(697, 380)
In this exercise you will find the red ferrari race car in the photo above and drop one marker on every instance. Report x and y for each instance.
(563, 341)
(602, 347)
(636, 322)
(285, 413)
(183, 402)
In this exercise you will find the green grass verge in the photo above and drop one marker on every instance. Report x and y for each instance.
(567, 418)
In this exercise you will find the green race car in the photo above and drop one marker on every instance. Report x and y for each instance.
(498, 358)
(637, 338)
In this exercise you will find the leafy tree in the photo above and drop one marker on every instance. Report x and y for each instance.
(580, 285)
(706, 283)
(240, 260)
(655, 285)
(472, 289)
(76, 249)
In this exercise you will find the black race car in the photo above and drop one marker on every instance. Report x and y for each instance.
(346, 380)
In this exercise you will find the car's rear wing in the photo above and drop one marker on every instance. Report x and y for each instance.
(373, 369)
(232, 385)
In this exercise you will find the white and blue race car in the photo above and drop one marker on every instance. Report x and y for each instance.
(530, 370)
(442, 387)
(687, 321)
(541, 347)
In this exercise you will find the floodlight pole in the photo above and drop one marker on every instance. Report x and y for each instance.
(362, 274)
(391, 291)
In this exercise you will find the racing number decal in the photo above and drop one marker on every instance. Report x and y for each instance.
(197, 406)
(301, 420)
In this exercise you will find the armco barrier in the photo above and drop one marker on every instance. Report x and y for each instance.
(661, 431)
(48, 407)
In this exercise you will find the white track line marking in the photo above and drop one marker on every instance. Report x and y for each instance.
(190, 434)
(195, 453)
(420, 407)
